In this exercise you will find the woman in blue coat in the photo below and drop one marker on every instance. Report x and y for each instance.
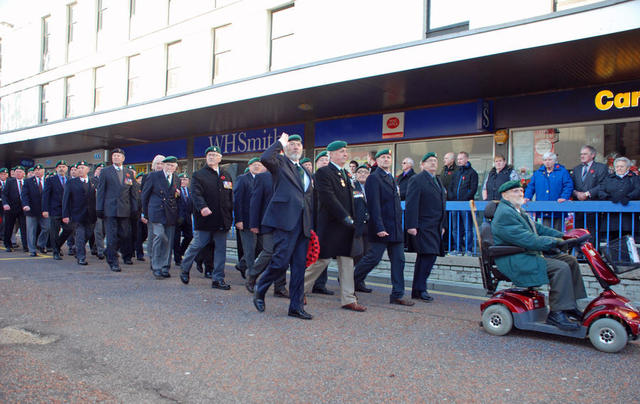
(550, 182)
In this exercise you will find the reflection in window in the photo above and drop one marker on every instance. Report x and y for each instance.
(282, 38)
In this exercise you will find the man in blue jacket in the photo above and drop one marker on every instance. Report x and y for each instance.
(385, 228)
(463, 187)
(550, 182)
(32, 206)
(52, 208)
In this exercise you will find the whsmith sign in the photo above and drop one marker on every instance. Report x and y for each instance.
(249, 141)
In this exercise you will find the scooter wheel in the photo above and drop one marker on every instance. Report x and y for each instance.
(608, 335)
(497, 320)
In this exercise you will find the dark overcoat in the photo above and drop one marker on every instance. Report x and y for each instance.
(361, 213)
(52, 196)
(116, 198)
(11, 195)
(242, 199)
(79, 201)
(403, 182)
(159, 199)
(335, 203)
(425, 208)
(385, 212)
(620, 190)
(208, 189)
(261, 195)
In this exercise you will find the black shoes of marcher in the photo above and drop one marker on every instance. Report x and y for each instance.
(362, 288)
(574, 314)
(207, 274)
(259, 303)
(422, 296)
(560, 320)
(199, 266)
(140, 259)
(100, 256)
(401, 302)
(158, 275)
(300, 314)
(42, 250)
(220, 285)
(242, 272)
(166, 275)
(184, 277)
(56, 256)
(72, 253)
(128, 261)
(115, 268)
(322, 291)
(250, 285)
(9, 249)
(33, 254)
(82, 261)
(283, 293)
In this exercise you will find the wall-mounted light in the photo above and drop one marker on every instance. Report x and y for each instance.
(305, 107)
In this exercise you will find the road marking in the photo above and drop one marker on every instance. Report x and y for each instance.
(39, 257)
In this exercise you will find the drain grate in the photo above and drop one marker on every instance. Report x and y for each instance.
(13, 335)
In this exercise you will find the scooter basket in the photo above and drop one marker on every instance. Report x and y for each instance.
(622, 254)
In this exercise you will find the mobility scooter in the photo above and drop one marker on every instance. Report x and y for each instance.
(609, 320)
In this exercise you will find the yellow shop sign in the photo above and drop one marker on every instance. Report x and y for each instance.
(606, 99)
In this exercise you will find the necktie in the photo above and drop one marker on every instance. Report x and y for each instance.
(584, 171)
(19, 187)
(169, 179)
(40, 184)
(344, 174)
(185, 192)
(301, 172)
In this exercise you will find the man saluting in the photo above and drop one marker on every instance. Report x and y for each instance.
(290, 214)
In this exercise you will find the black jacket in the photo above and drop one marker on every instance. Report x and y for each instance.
(11, 196)
(426, 211)
(208, 189)
(115, 198)
(495, 180)
(261, 195)
(464, 184)
(32, 197)
(620, 190)
(403, 181)
(593, 179)
(447, 175)
(79, 201)
(361, 214)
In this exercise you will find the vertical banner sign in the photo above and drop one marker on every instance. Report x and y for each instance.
(393, 125)
(543, 142)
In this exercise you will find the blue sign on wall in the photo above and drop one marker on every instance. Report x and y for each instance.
(144, 153)
(473, 117)
(249, 141)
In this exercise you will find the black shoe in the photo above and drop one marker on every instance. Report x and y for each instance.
(560, 320)
(9, 249)
(281, 293)
(362, 288)
(574, 314)
(322, 291)
(128, 261)
(401, 302)
(422, 296)
(166, 275)
(42, 250)
(220, 285)
(100, 256)
(242, 271)
(33, 254)
(199, 266)
(207, 274)
(115, 268)
(82, 262)
(250, 285)
(56, 256)
(158, 275)
(259, 303)
(71, 253)
(184, 277)
(140, 259)
(178, 262)
(25, 250)
(94, 252)
(300, 314)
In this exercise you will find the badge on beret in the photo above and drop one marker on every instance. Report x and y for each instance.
(61, 163)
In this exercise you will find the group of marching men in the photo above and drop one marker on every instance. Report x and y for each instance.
(275, 206)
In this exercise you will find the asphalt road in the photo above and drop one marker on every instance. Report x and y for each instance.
(126, 337)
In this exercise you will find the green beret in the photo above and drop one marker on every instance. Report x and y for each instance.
(362, 167)
(383, 151)
(246, 170)
(100, 165)
(509, 185)
(170, 159)
(183, 175)
(117, 150)
(337, 145)
(38, 167)
(305, 160)
(31, 170)
(295, 137)
(321, 154)
(140, 174)
(253, 160)
(428, 155)
(212, 149)
(61, 163)
(4, 170)
(73, 166)
(18, 168)
(82, 163)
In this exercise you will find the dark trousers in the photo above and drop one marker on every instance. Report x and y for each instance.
(205, 257)
(373, 257)
(421, 272)
(462, 232)
(141, 236)
(565, 282)
(118, 231)
(135, 222)
(321, 282)
(290, 250)
(185, 232)
(10, 220)
(81, 231)
(263, 259)
(57, 238)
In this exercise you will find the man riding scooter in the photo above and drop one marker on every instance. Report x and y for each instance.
(538, 265)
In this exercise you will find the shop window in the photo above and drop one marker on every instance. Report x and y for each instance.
(282, 38)
(363, 154)
(447, 16)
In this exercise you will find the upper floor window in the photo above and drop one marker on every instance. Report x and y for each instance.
(447, 16)
(72, 22)
(44, 102)
(98, 88)
(133, 79)
(46, 36)
(559, 5)
(282, 37)
(174, 59)
(103, 13)
(221, 52)
(70, 95)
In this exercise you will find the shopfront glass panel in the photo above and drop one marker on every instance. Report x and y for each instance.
(364, 154)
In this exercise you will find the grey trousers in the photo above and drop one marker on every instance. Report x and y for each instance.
(565, 281)
(162, 240)
(248, 248)
(98, 234)
(81, 232)
(33, 238)
(263, 260)
(200, 240)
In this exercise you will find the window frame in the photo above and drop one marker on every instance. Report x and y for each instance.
(215, 54)
(44, 102)
(44, 42)
(271, 38)
(444, 30)
(169, 69)
(130, 78)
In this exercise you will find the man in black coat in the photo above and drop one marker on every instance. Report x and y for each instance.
(116, 202)
(12, 206)
(37, 225)
(52, 208)
(184, 232)
(335, 225)
(4, 174)
(362, 215)
(403, 178)
(212, 193)
(78, 209)
(463, 187)
(98, 228)
(425, 215)
(290, 213)
(588, 178)
(160, 210)
(385, 228)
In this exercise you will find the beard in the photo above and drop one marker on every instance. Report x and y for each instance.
(293, 155)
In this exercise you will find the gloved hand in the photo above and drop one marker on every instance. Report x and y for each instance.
(348, 221)
(624, 200)
(100, 214)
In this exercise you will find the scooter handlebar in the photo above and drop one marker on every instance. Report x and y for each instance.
(574, 242)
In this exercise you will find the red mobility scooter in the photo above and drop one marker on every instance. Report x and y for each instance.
(609, 320)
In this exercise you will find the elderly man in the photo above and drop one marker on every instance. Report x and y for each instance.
(449, 167)
(463, 187)
(212, 193)
(160, 209)
(78, 208)
(12, 205)
(52, 208)
(156, 165)
(403, 178)
(307, 164)
(98, 229)
(184, 231)
(322, 159)
(425, 216)
(512, 225)
(290, 215)
(588, 178)
(336, 226)
(32, 207)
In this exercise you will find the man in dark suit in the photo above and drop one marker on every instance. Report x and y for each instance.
(52, 208)
(32, 207)
(4, 174)
(335, 225)
(385, 228)
(361, 216)
(290, 214)
(12, 205)
(160, 210)
(424, 214)
(212, 192)
(587, 178)
(135, 218)
(98, 228)
(184, 232)
(78, 209)
(141, 227)
(116, 202)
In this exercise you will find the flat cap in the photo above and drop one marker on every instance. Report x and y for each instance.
(210, 149)
(382, 152)
(336, 145)
(321, 154)
(509, 185)
(170, 159)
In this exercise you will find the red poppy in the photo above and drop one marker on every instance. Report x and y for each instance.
(222, 178)
(591, 171)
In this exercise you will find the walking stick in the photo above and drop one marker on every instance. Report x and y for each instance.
(472, 205)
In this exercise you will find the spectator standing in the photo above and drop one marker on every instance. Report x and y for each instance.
(621, 186)
(550, 182)
(499, 174)
(587, 178)
(463, 187)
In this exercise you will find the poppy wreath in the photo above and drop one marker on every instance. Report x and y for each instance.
(313, 252)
